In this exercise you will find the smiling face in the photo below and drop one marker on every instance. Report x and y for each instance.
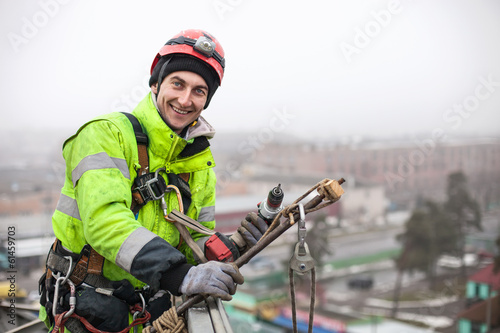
(181, 99)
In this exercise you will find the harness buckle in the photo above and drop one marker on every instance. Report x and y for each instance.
(151, 186)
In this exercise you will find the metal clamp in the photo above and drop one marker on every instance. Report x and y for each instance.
(301, 261)
(146, 189)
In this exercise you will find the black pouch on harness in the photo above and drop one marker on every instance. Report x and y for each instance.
(104, 312)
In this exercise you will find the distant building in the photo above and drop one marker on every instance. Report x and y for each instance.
(29, 191)
(28, 203)
(483, 303)
(407, 170)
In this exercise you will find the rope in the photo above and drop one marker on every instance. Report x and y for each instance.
(292, 296)
(313, 299)
(168, 322)
(290, 210)
(60, 321)
(294, 303)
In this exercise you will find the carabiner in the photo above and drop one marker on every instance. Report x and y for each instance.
(70, 258)
(56, 294)
(163, 204)
(302, 232)
(139, 314)
(72, 299)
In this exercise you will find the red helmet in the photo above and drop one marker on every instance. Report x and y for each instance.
(197, 43)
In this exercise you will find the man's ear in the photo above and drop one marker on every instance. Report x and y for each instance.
(154, 88)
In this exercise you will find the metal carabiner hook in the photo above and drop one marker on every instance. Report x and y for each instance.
(302, 231)
(56, 294)
(139, 314)
(69, 269)
(72, 299)
(302, 213)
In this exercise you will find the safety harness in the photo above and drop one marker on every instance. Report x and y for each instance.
(71, 270)
(149, 186)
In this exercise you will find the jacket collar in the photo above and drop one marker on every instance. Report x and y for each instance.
(201, 128)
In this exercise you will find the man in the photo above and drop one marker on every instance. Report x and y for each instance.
(117, 246)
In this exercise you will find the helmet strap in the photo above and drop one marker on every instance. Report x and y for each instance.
(160, 76)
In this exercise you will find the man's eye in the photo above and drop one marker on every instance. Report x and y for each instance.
(177, 84)
(200, 91)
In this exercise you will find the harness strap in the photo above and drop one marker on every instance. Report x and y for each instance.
(185, 176)
(186, 221)
(142, 150)
(88, 267)
(48, 269)
(182, 222)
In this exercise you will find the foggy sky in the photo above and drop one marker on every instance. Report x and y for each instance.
(324, 69)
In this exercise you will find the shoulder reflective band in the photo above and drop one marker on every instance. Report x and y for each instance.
(99, 161)
(68, 206)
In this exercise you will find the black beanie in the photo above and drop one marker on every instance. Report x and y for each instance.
(184, 62)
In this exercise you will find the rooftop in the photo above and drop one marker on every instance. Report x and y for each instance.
(487, 276)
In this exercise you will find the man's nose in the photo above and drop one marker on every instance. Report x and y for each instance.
(185, 98)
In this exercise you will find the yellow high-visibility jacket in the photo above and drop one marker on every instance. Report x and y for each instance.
(94, 207)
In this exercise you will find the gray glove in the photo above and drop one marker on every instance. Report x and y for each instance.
(213, 278)
(252, 228)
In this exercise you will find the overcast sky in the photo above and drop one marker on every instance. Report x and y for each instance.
(317, 68)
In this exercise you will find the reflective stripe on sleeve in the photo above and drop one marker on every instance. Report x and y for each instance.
(68, 206)
(131, 247)
(99, 161)
(207, 214)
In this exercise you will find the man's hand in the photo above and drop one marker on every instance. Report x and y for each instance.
(252, 228)
(212, 279)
